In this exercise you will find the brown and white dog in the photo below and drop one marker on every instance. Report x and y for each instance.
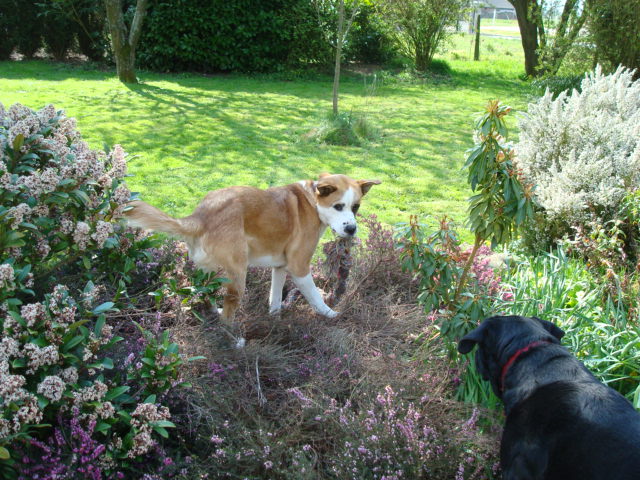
(280, 227)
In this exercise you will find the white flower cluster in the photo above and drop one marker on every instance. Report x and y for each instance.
(582, 149)
(52, 387)
(140, 419)
(14, 398)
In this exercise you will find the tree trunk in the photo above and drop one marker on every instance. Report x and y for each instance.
(124, 41)
(476, 51)
(339, 41)
(529, 35)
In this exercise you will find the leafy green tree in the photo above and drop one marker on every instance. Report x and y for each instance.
(419, 26)
(615, 28)
(543, 51)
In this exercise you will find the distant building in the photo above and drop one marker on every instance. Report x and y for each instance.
(496, 9)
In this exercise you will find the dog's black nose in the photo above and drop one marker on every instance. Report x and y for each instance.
(350, 229)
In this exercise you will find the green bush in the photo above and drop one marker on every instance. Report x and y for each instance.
(615, 29)
(367, 41)
(241, 35)
(557, 84)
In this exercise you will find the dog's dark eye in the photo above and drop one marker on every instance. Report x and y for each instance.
(355, 208)
(339, 206)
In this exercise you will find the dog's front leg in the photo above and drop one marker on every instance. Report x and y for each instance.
(311, 293)
(278, 276)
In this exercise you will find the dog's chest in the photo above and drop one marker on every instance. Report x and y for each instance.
(267, 261)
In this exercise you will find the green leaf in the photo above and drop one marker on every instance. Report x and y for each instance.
(75, 341)
(199, 357)
(149, 361)
(18, 142)
(150, 399)
(81, 196)
(116, 392)
(106, 306)
(161, 431)
(18, 363)
(163, 423)
(99, 325)
(102, 427)
(4, 454)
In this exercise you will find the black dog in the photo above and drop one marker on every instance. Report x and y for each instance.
(562, 423)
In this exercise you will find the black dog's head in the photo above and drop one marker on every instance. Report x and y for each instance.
(498, 338)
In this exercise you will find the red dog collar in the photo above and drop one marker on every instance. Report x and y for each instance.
(515, 356)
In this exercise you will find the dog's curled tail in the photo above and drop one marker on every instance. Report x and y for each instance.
(151, 218)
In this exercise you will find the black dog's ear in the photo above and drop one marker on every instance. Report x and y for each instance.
(470, 339)
(551, 328)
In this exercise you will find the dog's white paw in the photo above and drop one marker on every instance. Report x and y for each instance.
(275, 311)
(240, 343)
(330, 313)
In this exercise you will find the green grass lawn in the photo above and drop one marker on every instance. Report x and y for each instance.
(188, 134)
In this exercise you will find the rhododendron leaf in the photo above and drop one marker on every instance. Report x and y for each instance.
(150, 399)
(4, 454)
(77, 324)
(13, 239)
(16, 316)
(29, 156)
(99, 325)
(107, 363)
(111, 243)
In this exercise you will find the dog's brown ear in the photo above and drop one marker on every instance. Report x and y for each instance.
(551, 328)
(471, 339)
(323, 175)
(365, 185)
(325, 189)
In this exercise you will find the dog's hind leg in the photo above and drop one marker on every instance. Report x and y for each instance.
(278, 277)
(234, 260)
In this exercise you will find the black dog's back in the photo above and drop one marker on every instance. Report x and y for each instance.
(562, 423)
(572, 431)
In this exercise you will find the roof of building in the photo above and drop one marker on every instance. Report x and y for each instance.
(497, 4)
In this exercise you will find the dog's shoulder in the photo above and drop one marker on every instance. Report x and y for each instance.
(564, 421)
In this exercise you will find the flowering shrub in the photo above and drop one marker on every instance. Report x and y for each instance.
(582, 151)
(384, 436)
(60, 204)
